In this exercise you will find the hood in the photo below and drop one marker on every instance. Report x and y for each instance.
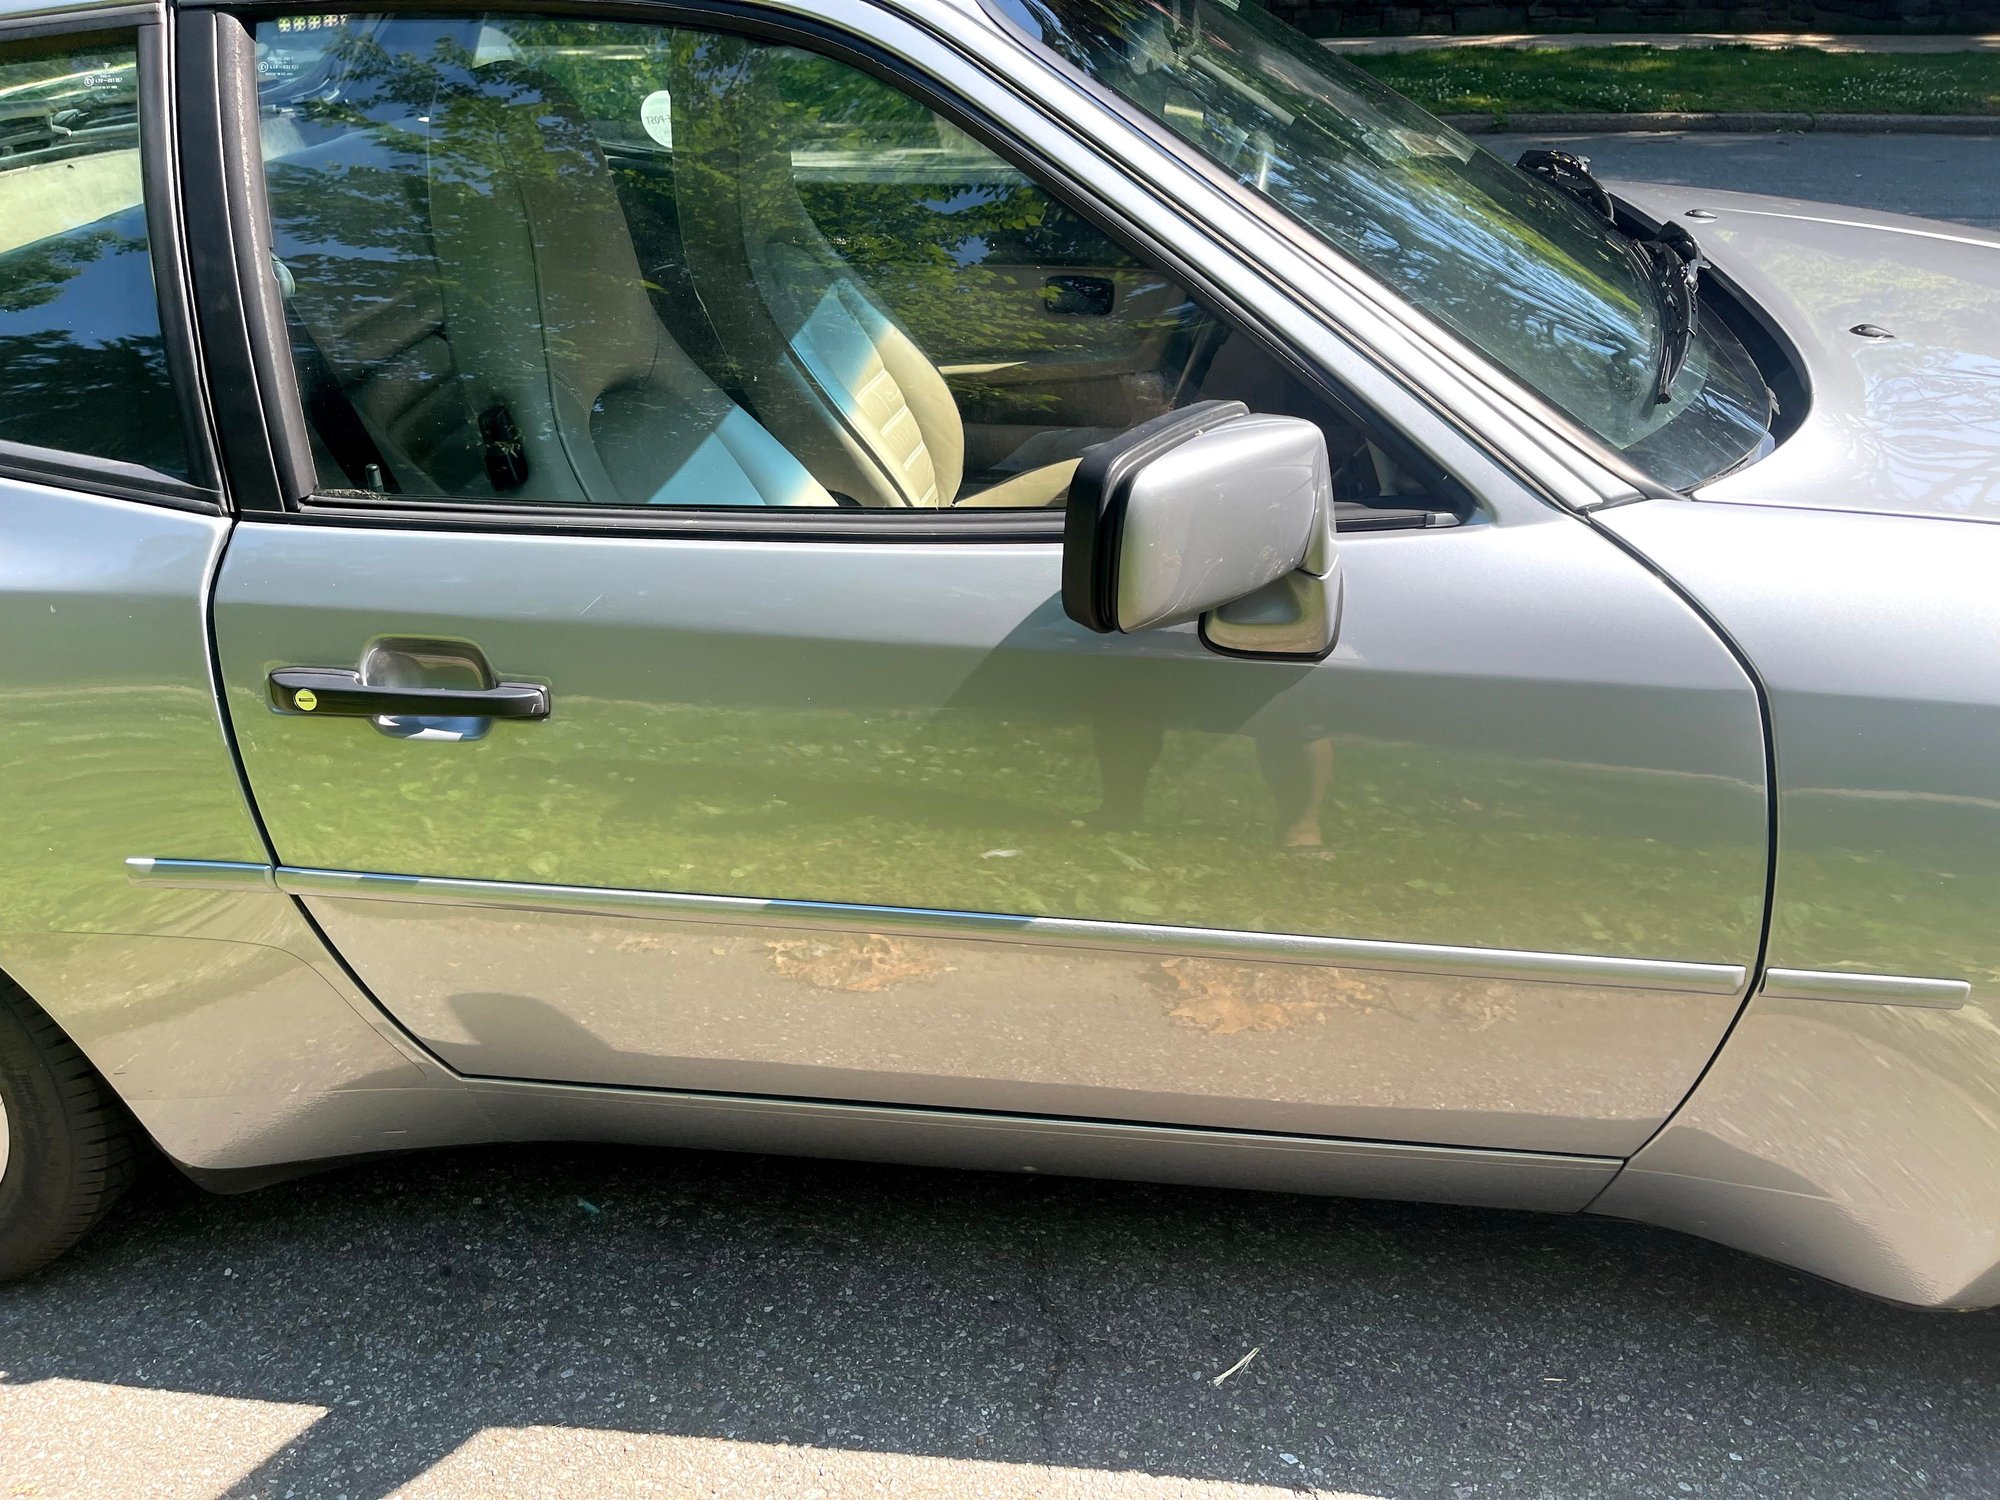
(1907, 425)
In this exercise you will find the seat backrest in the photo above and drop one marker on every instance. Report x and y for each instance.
(351, 230)
(811, 349)
(458, 254)
(549, 318)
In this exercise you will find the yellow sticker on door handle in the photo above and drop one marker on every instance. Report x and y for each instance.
(305, 700)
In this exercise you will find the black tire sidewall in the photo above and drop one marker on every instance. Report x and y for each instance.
(42, 1177)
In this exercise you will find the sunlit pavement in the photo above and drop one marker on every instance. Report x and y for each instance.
(570, 1321)
(1934, 176)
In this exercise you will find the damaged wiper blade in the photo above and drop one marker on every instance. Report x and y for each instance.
(1569, 173)
(1673, 259)
(1674, 263)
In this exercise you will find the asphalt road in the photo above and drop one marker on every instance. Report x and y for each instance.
(604, 1322)
(610, 1322)
(1935, 176)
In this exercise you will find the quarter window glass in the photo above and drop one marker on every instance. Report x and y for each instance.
(83, 366)
(563, 261)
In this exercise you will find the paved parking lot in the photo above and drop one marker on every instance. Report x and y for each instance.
(609, 1322)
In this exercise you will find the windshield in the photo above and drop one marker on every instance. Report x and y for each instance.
(1511, 263)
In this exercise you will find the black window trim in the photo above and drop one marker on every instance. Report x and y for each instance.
(166, 232)
(267, 452)
(118, 479)
(103, 476)
(259, 419)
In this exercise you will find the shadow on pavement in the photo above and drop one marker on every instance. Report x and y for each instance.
(1405, 1350)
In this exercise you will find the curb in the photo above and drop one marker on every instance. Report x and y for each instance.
(1746, 122)
(1903, 44)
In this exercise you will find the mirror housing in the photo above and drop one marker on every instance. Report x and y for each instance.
(1208, 513)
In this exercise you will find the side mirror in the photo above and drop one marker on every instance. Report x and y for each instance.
(1212, 513)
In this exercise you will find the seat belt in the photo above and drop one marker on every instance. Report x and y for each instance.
(328, 406)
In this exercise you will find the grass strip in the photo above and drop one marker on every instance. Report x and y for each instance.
(1638, 80)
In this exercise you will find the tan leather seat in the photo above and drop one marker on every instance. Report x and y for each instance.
(812, 351)
(550, 323)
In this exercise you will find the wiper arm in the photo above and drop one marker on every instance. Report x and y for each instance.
(1674, 264)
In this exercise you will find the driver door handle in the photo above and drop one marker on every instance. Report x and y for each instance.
(331, 692)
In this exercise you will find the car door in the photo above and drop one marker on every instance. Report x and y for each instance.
(752, 790)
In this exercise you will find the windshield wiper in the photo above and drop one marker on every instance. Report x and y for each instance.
(1674, 262)
(1570, 173)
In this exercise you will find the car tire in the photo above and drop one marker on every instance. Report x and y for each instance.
(69, 1147)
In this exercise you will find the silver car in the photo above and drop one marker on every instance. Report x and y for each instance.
(1049, 585)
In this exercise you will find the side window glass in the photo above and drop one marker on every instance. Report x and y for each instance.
(566, 261)
(83, 366)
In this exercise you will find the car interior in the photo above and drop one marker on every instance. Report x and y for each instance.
(561, 262)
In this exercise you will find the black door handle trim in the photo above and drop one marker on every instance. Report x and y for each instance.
(330, 692)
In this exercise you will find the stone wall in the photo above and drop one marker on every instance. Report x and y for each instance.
(1388, 18)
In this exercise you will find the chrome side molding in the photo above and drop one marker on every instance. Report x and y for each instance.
(1072, 932)
(1200, 942)
(200, 874)
(1865, 989)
